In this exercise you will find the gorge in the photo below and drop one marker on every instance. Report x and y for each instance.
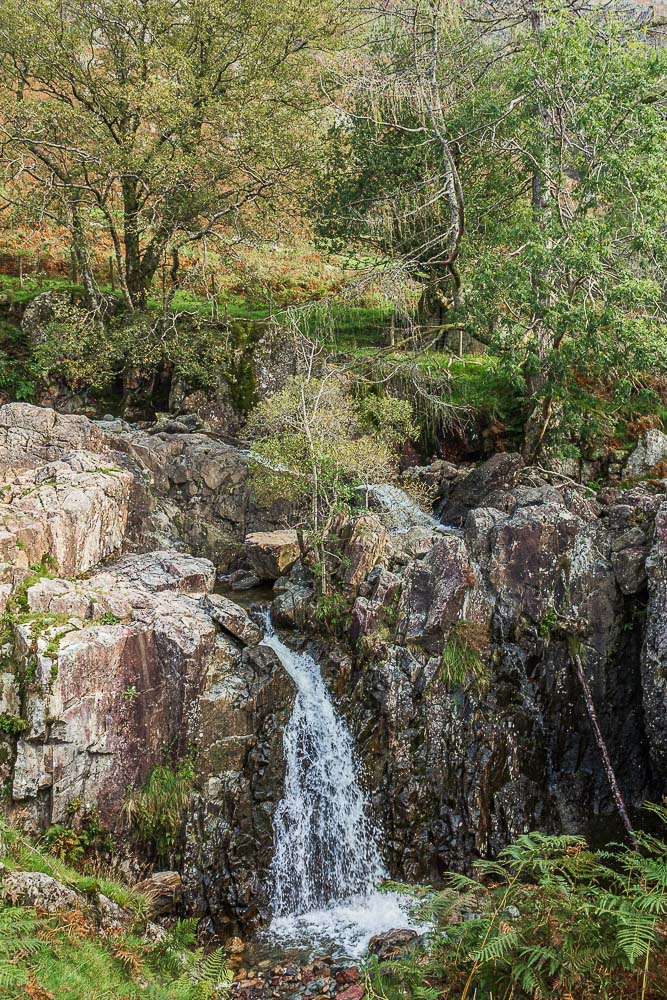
(110, 669)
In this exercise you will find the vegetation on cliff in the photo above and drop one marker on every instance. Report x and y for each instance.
(62, 949)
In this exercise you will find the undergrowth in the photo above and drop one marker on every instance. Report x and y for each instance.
(65, 956)
(549, 918)
(155, 812)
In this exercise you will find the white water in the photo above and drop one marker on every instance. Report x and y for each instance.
(400, 511)
(327, 863)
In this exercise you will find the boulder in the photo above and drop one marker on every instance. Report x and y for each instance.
(271, 553)
(434, 590)
(233, 619)
(39, 890)
(163, 890)
(294, 607)
(364, 545)
(391, 944)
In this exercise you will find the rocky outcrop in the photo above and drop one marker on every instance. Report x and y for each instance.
(110, 670)
(243, 709)
(186, 490)
(74, 511)
(233, 619)
(270, 554)
(454, 668)
(465, 703)
(654, 658)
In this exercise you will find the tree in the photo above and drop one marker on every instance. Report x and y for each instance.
(158, 121)
(316, 446)
(557, 126)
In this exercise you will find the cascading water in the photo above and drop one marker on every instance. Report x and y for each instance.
(327, 864)
(400, 512)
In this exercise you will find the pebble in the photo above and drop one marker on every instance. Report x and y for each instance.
(322, 979)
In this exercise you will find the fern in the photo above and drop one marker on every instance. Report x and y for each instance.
(206, 981)
(549, 917)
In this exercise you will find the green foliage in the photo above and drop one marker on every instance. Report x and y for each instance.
(558, 128)
(13, 725)
(155, 814)
(65, 955)
(314, 442)
(333, 611)
(73, 844)
(158, 177)
(548, 918)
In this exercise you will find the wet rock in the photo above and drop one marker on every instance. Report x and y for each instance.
(234, 945)
(233, 619)
(271, 554)
(390, 945)
(352, 993)
(243, 708)
(294, 608)
(242, 580)
(654, 656)
(348, 976)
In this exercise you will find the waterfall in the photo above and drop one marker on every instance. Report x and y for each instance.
(326, 847)
(327, 863)
(401, 512)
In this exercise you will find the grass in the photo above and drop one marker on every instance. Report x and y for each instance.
(65, 956)
(461, 663)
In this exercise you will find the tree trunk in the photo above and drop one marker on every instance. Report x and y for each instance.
(134, 278)
(80, 252)
(602, 746)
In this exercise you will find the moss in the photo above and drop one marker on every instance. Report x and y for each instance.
(13, 725)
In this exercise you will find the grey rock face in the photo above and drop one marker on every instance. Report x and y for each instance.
(459, 763)
(651, 450)
(233, 619)
(654, 659)
(114, 682)
(244, 707)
